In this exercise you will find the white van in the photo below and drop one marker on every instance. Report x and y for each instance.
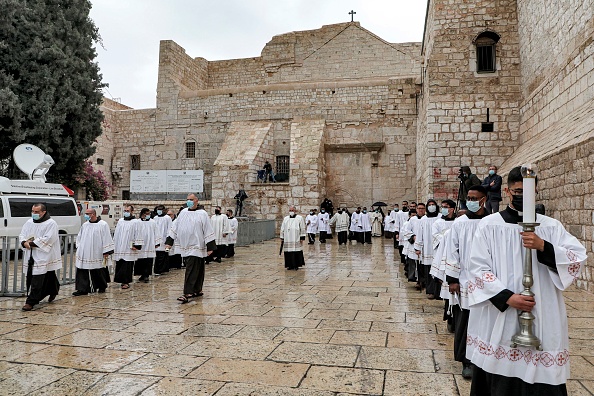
(110, 212)
(18, 196)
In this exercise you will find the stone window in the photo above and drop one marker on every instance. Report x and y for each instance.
(126, 195)
(100, 161)
(190, 149)
(486, 44)
(282, 168)
(135, 162)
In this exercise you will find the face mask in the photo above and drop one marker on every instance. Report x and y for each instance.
(35, 216)
(491, 172)
(473, 206)
(190, 203)
(87, 217)
(126, 214)
(405, 208)
(322, 211)
(445, 211)
(358, 211)
(364, 211)
(291, 213)
(159, 212)
(147, 217)
(396, 209)
(218, 212)
(432, 208)
(311, 213)
(518, 202)
(340, 211)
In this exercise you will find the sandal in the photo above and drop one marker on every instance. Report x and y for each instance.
(186, 297)
(125, 286)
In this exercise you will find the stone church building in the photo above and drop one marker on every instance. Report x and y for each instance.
(341, 113)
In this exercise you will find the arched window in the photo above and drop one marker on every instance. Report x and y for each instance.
(486, 43)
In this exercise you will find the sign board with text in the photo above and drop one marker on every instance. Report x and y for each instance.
(166, 181)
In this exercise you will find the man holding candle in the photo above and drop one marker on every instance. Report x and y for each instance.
(495, 276)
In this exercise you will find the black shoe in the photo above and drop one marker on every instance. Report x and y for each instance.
(467, 371)
(51, 298)
(218, 260)
(79, 293)
(101, 291)
(146, 280)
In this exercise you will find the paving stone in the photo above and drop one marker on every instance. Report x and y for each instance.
(183, 387)
(331, 355)
(164, 365)
(354, 381)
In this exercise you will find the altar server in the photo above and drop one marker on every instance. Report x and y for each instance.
(494, 282)
(292, 234)
(232, 236)
(163, 223)
(311, 221)
(341, 221)
(126, 247)
(42, 257)
(94, 245)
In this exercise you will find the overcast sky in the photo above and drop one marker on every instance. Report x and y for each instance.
(224, 29)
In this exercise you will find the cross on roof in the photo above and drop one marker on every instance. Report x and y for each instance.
(352, 14)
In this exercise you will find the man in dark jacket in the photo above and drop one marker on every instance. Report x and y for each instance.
(492, 184)
(468, 179)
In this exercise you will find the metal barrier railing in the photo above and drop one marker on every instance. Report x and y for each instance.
(12, 278)
(255, 231)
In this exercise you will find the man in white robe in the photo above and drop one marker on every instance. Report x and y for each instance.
(415, 268)
(220, 226)
(232, 236)
(458, 247)
(192, 236)
(323, 225)
(495, 277)
(403, 217)
(341, 221)
(94, 245)
(150, 239)
(357, 225)
(42, 256)
(163, 224)
(292, 234)
(311, 221)
(406, 233)
(424, 245)
(390, 225)
(376, 219)
(126, 247)
(365, 222)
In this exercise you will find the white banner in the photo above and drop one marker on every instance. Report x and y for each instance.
(166, 181)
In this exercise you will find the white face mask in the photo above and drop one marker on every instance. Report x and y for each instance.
(291, 213)
(431, 208)
(445, 211)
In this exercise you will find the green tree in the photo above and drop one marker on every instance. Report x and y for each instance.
(50, 85)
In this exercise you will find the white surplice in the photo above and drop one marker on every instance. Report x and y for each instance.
(365, 222)
(406, 233)
(125, 236)
(424, 239)
(496, 264)
(340, 221)
(440, 231)
(92, 242)
(232, 236)
(356, 225)
(311, 221)
(148, 237)
(220, 226)
(163, 224)
(47, 254)
(191, 232)
(414, 224)
(323, 222)
(401, 218)
(291, 232)
(375, 219)
(457, 252)
(390, 221)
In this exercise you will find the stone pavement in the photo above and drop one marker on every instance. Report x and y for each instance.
(346, 324)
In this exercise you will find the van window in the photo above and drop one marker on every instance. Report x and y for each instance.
(1, 209)
(21, 207)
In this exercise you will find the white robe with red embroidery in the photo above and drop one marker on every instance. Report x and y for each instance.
(496, 262)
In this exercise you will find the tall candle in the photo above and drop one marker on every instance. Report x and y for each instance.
(529, 200)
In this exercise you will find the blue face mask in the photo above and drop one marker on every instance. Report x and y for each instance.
(473, 206)
(190, 203)
(147, 217)
(126, 214)
(35, 216)
(159, 212)
(491, 172)
(445, 211)
(87, 217)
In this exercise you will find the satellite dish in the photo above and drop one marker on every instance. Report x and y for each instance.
(32, 160)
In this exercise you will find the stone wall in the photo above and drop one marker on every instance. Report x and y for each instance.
(455, 99)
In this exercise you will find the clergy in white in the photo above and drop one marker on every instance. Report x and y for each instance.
(126, 247)
(376, 219)
(323, 225)
(401, 218)
(311, 221)
(94, 245)
(414, 255)
(424, 244)
(494, 282)
(163, 223)
(220, 226)
(192, 236)
(150, 239)
(292, 234)
(390, 225)
(406, 233)
(341, 221)
(42, 257)
(232, 236)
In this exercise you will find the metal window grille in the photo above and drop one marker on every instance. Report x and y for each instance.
(135, 162)
(282, 164)
(485, 57)
(100, 161)
(190, 150)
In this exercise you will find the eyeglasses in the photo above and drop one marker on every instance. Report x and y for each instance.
(472, 199)
(517, 191)
(445, 207)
